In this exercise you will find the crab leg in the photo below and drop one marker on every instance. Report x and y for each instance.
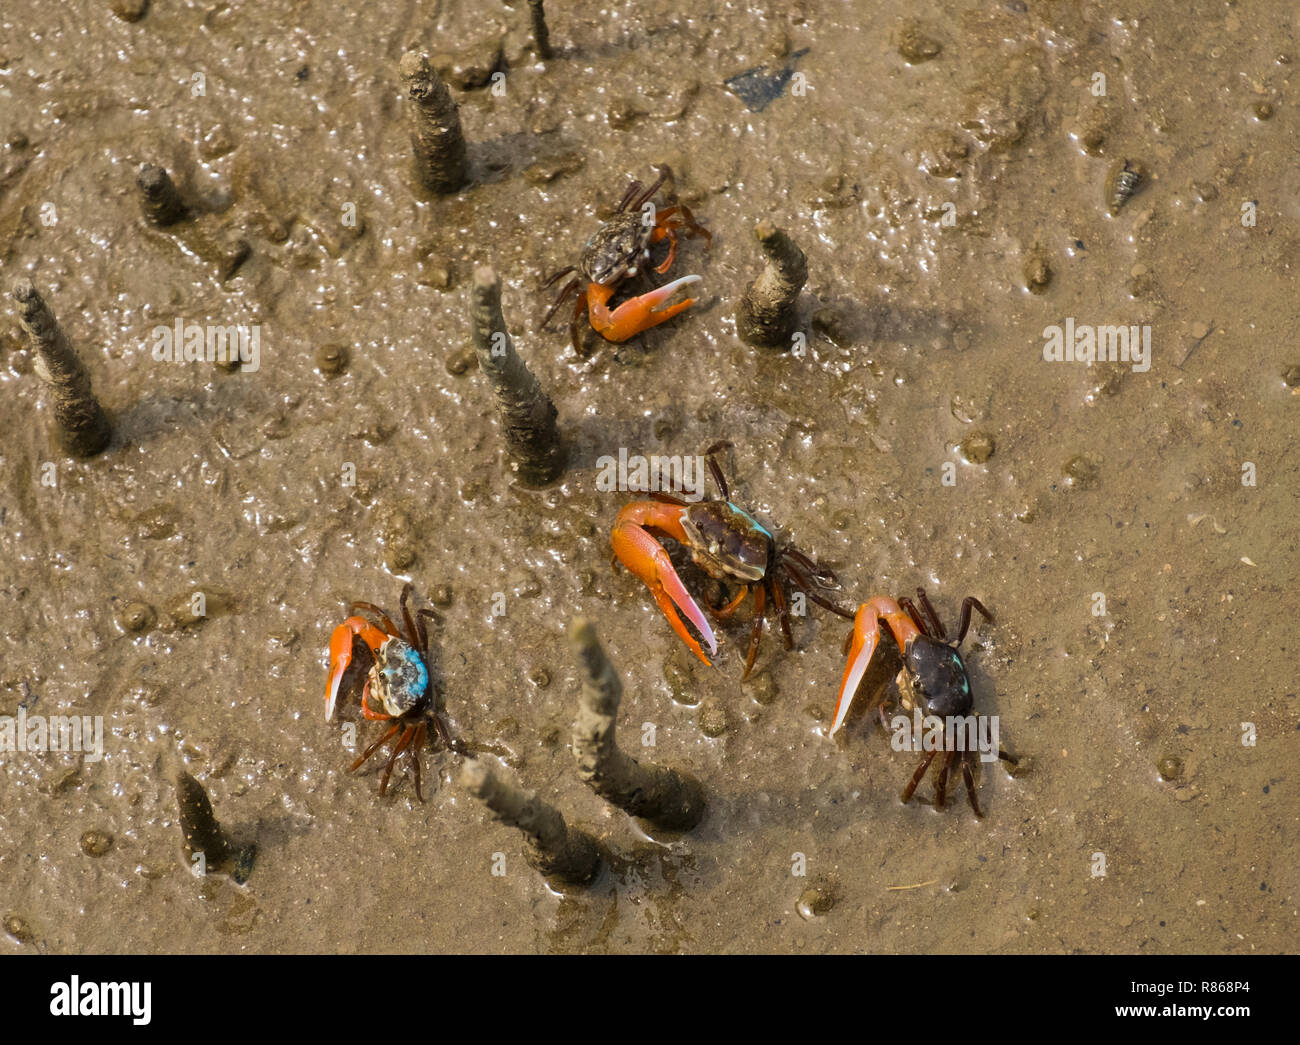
(645, 557)
(341, 654)
(374, 747)
(866, 633)
(637, 314)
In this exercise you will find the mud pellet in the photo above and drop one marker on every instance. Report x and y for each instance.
(768, 312)
(1082, 471)
(441, 159)
(17, 927)
(762, 689)
(436, 273)
(977, 447)
(527, 413)
(621, 114)
(713, 719)
(129, 10)
(541, 35)
(83, 426)
(136, 616)
(816, 901)
(460, 362)
(682, 684)
(916, 45)
(96, 843)
(1037, 272)
(401, 555)
(666, 797)
(1091, 130)
(159, 198)
(551, 847)
(332, 360)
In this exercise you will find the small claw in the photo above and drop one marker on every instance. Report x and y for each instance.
(341, 655)
(367, 711)
(866, 633)
(636, 314)
(646, 559)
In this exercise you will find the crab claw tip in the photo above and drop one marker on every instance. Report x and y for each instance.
(854, 671)
(684, 281)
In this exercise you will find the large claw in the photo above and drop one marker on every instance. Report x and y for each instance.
(341, 655)
(866, 634)
(637, 549)
(636, 314)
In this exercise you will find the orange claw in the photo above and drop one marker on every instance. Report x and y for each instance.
(341, 654)
(637, 549)
(636, 314)
(866, 633)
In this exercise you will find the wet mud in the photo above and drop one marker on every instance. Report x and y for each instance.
(949, 174)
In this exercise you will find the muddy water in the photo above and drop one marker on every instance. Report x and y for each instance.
(1102, 479)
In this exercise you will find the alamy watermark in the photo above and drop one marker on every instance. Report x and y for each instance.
(1081, 343)
(950, 733)
(96, 998)
(212, 342)
(82, 734)
(682, 475)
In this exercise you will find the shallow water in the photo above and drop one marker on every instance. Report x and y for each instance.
(1102, 479)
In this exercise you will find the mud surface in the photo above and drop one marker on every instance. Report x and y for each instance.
(922, 339)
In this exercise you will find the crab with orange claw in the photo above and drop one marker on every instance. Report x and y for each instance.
(398, 677)
(616, 253)
(933, 677)
(729, 544)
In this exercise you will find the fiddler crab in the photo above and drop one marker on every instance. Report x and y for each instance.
(398, 677)
(933, 677)
(729, 544)
(616, 253)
